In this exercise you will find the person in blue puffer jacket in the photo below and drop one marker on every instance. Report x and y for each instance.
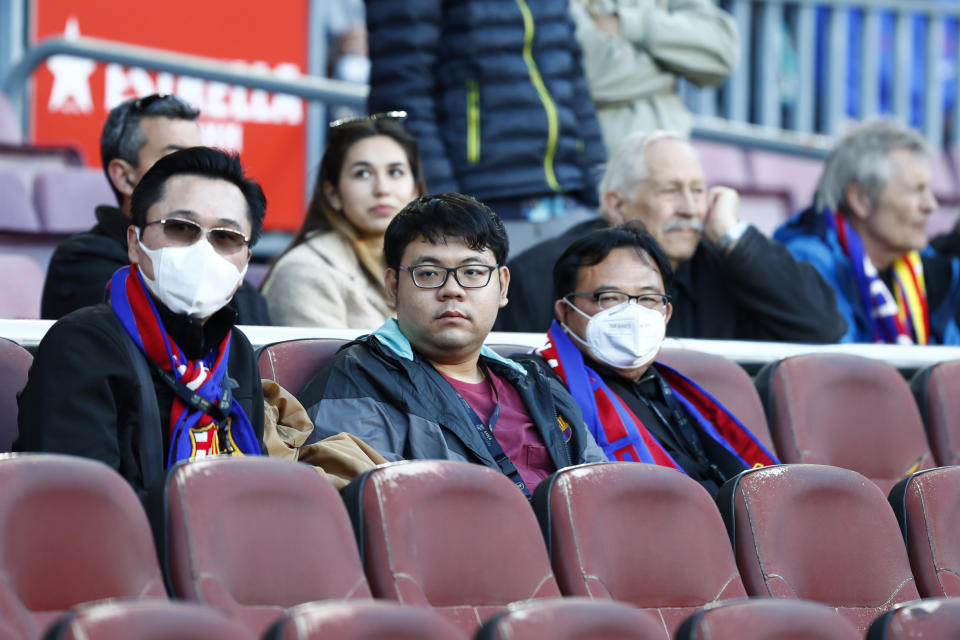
(495, 93)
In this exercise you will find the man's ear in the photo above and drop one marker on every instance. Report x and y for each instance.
(668, 313)
(560, 309)
(503, 275)
(121, 175)
(612, 201)
(858, 203)
(390, 283)
(332, 195)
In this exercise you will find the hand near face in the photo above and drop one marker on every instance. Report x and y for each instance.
(722, 205)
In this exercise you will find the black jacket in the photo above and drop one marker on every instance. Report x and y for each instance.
(83, 264)
(83, 396)
(756, 292)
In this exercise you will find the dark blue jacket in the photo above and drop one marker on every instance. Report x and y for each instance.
(494, 91)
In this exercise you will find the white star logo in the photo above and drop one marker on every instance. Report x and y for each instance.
(71, 78)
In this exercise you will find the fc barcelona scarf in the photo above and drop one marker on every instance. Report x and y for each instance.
(193, 433)
(901, 318)
(622, 435)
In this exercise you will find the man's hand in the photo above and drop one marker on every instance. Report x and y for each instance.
(607, 23)
(722, 205)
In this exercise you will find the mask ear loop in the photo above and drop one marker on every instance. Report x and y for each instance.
(570, 332)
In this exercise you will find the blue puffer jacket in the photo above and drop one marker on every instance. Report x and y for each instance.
(494, 91)
(808, 237)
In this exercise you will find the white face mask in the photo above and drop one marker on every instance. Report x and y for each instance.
(193, 280)
(626, 336)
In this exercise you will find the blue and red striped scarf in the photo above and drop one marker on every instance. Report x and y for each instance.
(193, 434)
(622, 435)
(900, 318)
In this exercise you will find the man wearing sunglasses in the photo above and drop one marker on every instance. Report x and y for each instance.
(135, 135)
(611, 313)
(159, 373)
(423, 385)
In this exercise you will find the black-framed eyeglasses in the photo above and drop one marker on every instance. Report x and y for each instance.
(385, 115)
(468, 276)
(182, 232)
(142, 107)
(610, 299)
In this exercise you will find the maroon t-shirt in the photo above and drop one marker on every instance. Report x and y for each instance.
(514, 430)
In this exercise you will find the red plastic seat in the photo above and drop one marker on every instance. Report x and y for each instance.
(847, 411)
(817, 533)
(148, 620)
(937, 391)
(927, 505)
(571, 619)
(71, 531)
(638, 533)
(15, 363)
(452, 535)
(293, 363)
(767, 619)
(363, 621)
(931, 618)
(256, 535)
(726, 381)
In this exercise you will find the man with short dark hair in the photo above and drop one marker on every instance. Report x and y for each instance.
(135, 135)
(159, 373)
(424, 385)
(611, 313)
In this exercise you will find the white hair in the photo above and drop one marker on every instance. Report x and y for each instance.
(627, 167)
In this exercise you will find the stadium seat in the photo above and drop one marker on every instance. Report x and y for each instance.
(147, 620)
(293, 363)
(796, 175)
(71, 531)
(637, 533)
(363, 621)
(817, 533)
(15, 362)
(18, 214)
(254, 536)
(930, 618)
(726, 381)
(506, 350)
(571, 619)
(847, 411)
(767, 619)
(456, 536)
(937, 391)
(21, 287)
(723, 163)
(927, 505)
(66, 198)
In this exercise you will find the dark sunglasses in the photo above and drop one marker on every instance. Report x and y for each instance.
(386, 115)
(143, 105)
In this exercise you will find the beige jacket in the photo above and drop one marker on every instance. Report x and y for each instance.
(633, 78)
(320, 284)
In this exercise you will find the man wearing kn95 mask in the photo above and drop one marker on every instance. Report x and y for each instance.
(611, 313)
(159, 373)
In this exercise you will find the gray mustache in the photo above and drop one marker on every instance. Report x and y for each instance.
(683, 224)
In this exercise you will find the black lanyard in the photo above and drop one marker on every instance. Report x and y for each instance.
(219, 411)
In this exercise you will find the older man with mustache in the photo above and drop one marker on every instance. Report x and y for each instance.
(731, 281)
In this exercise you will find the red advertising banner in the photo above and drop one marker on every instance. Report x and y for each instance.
(72, 96)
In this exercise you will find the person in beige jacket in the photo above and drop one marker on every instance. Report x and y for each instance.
(331, 275)
(634, 51)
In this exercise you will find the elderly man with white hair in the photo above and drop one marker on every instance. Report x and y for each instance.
(865, 233)
(731, 281)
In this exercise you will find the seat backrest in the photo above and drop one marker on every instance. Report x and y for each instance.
(293, 363)
(71, 531)
(255, 535)
(797, 175)
(929, 618)
(363, 621)
(726, 381)
(638, 533)
(767, 619)
(817, 533)
(17, 213)
(456, 536)
(927, 505)
(571, 619)
(15, 363)
(66, 198)
(937, 391)
(21, 287)
(847, 411)
(148, 620)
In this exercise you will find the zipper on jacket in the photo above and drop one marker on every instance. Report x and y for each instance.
(553, 122)
(473, 121)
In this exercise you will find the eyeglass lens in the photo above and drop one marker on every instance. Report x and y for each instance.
(186, 232)
(470, 276)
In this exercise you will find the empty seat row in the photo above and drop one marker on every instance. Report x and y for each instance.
(58, 201)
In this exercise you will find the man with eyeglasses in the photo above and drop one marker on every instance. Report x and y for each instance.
(611, 313)
(159, 373)
(135, 135)
(423, 386)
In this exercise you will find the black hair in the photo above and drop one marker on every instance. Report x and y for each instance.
(204, 162)
(446, 215)
(122, 136)
(594, 248)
